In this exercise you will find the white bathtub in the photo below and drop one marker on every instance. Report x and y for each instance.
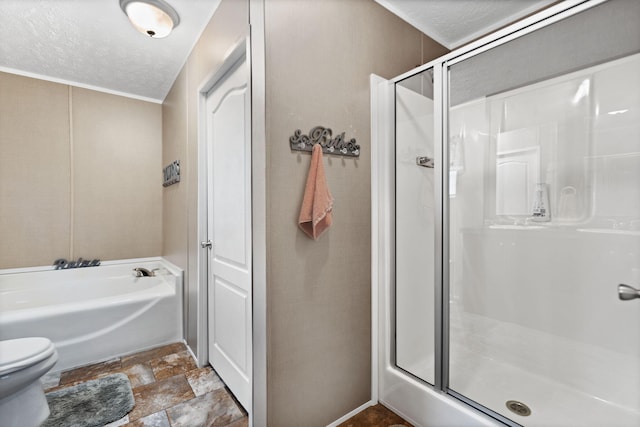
(94, 313)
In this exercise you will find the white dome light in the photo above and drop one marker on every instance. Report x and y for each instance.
(154, 18)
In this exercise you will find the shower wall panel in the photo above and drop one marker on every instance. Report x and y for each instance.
(537, 301)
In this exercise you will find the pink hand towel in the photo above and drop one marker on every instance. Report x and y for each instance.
(315, 213)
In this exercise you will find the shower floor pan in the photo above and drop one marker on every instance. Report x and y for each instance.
(552, 404)
(562, 382)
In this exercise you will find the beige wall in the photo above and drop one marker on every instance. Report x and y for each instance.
(35, 190)
(174, 197)
(228, 26)
(80, 174)
(117, 176)
(319, 56)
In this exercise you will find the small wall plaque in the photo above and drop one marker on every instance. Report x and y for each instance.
(330, 145)
(171, 174)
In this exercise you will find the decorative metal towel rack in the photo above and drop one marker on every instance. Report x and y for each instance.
(321, 135)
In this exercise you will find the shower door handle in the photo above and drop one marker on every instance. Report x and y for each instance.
(425, 162)
(626, 292)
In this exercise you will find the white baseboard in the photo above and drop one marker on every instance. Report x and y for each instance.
(200, 363)
(352, 413)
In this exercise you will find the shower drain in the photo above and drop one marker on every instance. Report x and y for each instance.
(518, 408)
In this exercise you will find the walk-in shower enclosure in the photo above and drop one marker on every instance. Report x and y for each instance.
(506, 215)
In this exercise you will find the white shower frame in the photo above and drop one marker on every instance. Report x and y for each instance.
(418, 402)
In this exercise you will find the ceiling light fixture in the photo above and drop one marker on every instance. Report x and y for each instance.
(155, 18)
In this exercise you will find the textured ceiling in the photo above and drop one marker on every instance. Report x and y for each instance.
(453, 23)
(91, 43)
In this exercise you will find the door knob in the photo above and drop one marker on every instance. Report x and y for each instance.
(626, 292)
(206, 244)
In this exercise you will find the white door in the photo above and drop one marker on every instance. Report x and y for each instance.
(228, 136)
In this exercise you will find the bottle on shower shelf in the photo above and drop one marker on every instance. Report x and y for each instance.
(541, 210)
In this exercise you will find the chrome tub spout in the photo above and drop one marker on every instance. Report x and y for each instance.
(143, 272)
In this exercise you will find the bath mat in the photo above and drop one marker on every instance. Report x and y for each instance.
(93, 403)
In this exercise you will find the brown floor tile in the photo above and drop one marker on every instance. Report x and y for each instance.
(154, 353)
(160, 395)
(169, 390)
(139, 374)
(117, 423)
(59, 387)
(159, 419)
(50, 380)
(90, 372)
(243, 422)
(172, 364)
(213, 409)
(204, 380)
(375, 416)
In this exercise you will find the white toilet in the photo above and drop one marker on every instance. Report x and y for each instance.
(23, 362)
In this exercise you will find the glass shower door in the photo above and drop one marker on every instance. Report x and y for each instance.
(544, 223)
(415, 226)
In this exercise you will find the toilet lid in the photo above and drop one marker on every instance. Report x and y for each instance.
(23, 352)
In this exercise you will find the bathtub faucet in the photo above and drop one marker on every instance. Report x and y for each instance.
(143, 272)
(63, 264)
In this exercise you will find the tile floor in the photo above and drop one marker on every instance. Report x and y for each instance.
(376, 416)
(168, 388)
(171, 391)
